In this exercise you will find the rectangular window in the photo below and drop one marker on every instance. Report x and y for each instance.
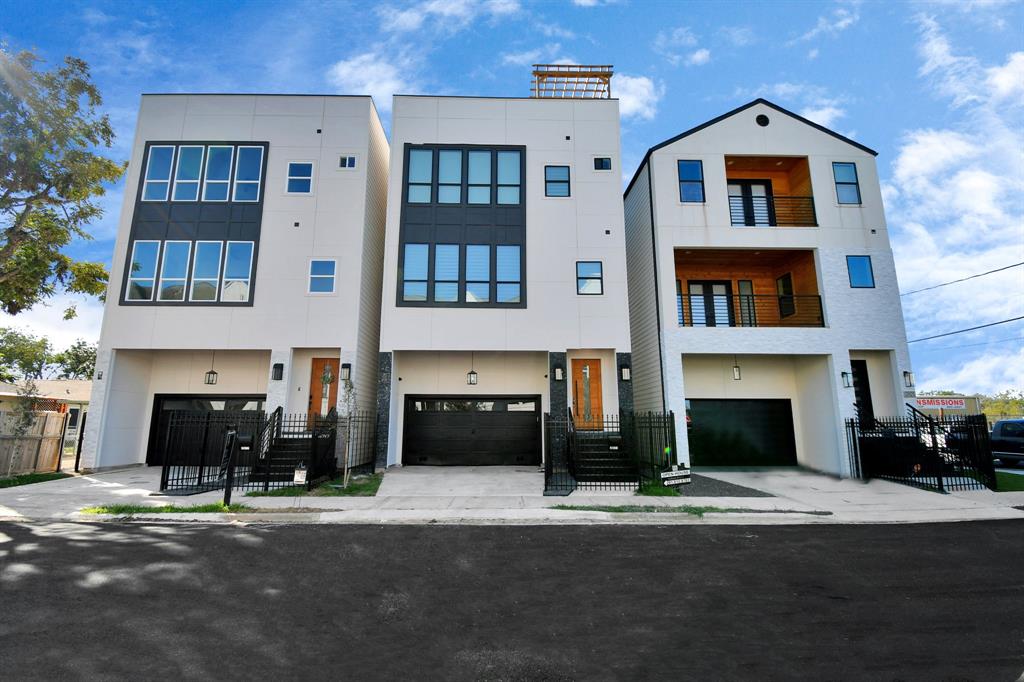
(157, 183)
(602, 163)
(321, 276)
(862, 275)
(186, 176)
(509, 177)
(479, 190)
(589, 278)
(847, 186)
(556, 181)
(73, 417)
(478, 273)
(218, 173)
(507, 269)
(691, 182)
(446, 273)
(237, 272)
(784, 290)
(449, 176)
(206, 271)
(142, 273)
(414, 272)
(248, 173)
(346, 162)
(174, 271)
(300, 178)
(421, 174)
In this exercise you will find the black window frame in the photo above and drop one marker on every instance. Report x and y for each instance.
(679, 178)
(567, 182)
(871, 271)
(599, 164)
(599, 278)
(855, 184)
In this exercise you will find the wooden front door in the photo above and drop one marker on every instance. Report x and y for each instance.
(323, 386)
(587, 405)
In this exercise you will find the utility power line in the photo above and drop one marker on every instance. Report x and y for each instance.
(963, 279)
(969, 329)
(973, 345)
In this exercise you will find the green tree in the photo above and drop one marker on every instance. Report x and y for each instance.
(22, 355)
(1006, 403)
(50, 177)
(78, 361)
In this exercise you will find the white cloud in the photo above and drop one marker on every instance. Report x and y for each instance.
(671, 44)
(48, 320)
(547, 54)
(1007, 81)
(826, 115)
(372, 74)
(811, 101)
(832, 25)
(638, 96)
(993, 372)
(812, 54)
(448, 15)
(739, 36)
(699, 57)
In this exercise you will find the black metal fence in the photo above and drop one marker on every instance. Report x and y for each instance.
(952, 453)
(749, 310)
(280, 444)
(606, 452)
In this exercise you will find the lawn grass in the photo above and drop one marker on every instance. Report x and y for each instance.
(25, 479)
(692, 510)
(129, 509)
(358, 486)
(657, 490)
(1009, 482)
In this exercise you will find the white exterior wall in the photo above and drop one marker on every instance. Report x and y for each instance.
(864, 319)
(341, 220)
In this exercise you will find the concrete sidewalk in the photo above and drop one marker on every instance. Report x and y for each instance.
(513, 495)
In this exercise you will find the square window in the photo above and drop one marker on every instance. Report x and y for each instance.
(861, 274)
(321, 276)
(300, 178)
(602, 163)
(346, 161)
(556, 181)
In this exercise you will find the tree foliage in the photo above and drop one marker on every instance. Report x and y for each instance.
(1006, 403)
(78, 361)
(22, 355)
(50, 178)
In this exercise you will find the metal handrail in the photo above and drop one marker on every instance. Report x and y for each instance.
(772, 211)
(749, 310)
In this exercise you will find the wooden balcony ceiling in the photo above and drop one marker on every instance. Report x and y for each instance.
(782, 164)
(766, 258)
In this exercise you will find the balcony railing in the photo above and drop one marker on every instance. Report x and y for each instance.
(745, 310)
(765, 211)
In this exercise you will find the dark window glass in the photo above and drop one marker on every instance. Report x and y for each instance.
(206, 271)
(691, 181)
(421, 175)
(861, 274)
(186, 177)
(449, 176)
(602, 163)
(507, 271)
(300, 178)
(509, 177)
(556, 181)
(248, 173)
(142, 274)
(847, 186)
(479, 190)
(446, 273)
(158, 174)
(589, 278)
(415, 272)
(478, 273)
(237, 271)
(174, 271)
(218, 173)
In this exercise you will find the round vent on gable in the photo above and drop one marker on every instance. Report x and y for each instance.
(762, 120)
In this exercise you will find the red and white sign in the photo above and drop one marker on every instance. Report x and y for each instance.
(942, 403)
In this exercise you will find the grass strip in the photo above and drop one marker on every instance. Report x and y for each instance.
(1006, 483)
(25, 479)
(358, 486)
(657, 490)
(692, 510)
(130, 509)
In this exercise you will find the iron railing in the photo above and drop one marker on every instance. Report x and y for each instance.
(749, 310)
(359, 434)
(952, 453)
(772, 211)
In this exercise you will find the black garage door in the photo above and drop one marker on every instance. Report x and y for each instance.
(741, 433)
(472, 431)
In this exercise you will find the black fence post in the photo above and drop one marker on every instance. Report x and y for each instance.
(202, 460)
(81, 438)
(227, 462)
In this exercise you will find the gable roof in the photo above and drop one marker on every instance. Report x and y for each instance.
(717, 119)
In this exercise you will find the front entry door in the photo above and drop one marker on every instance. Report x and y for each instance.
(862, 391)
(710, 304)
(323, 386)
(587, 403)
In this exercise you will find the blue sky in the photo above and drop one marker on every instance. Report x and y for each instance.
(937, 88)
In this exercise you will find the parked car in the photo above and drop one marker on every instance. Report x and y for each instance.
(1008, 441)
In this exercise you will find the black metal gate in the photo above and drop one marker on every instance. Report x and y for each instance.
(951, 453)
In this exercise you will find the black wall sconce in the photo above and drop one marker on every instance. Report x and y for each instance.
(559, 373)
(625, 372)
(908, 379)
(471, 376)
(211, 377)
(846, 380)
(277, 372)
(736, 375)
(346, 371)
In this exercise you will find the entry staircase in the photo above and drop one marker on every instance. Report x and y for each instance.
(600, 456)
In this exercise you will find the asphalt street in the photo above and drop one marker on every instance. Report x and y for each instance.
(115, 601)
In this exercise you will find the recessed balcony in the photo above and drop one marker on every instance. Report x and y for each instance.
(743, 288)
(770, 191)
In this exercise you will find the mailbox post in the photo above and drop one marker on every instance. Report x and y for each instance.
(233, 442)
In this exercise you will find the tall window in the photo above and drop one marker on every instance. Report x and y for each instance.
(509, 180)
(414, 272)
(589, 278)
(237, 272)
(186, 176)
(556, 181)
(218, 173)
(300, 178)
(248, 174)
(862, 275)
(321, 276)
(449, 176)
(157, 182)
(142, 272)
(206, 271)
(478, 273)
(508, 260)
(784, 290)
(421, 173)
(446, 273)
(174, 271)
(691, 182)
(479, 189)
(847, 186)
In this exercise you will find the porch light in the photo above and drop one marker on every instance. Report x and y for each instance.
(211, 376)
(624, 372)
(846, 379)
(908, 379)
(278, 371)
(735, 369)
(346, 371)
(471, 375)
(559, 373)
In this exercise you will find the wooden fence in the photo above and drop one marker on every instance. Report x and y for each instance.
(37, 448)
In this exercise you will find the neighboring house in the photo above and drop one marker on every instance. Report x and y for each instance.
(247, 264)
(763, 297)
(504, 276)
(61, 395)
